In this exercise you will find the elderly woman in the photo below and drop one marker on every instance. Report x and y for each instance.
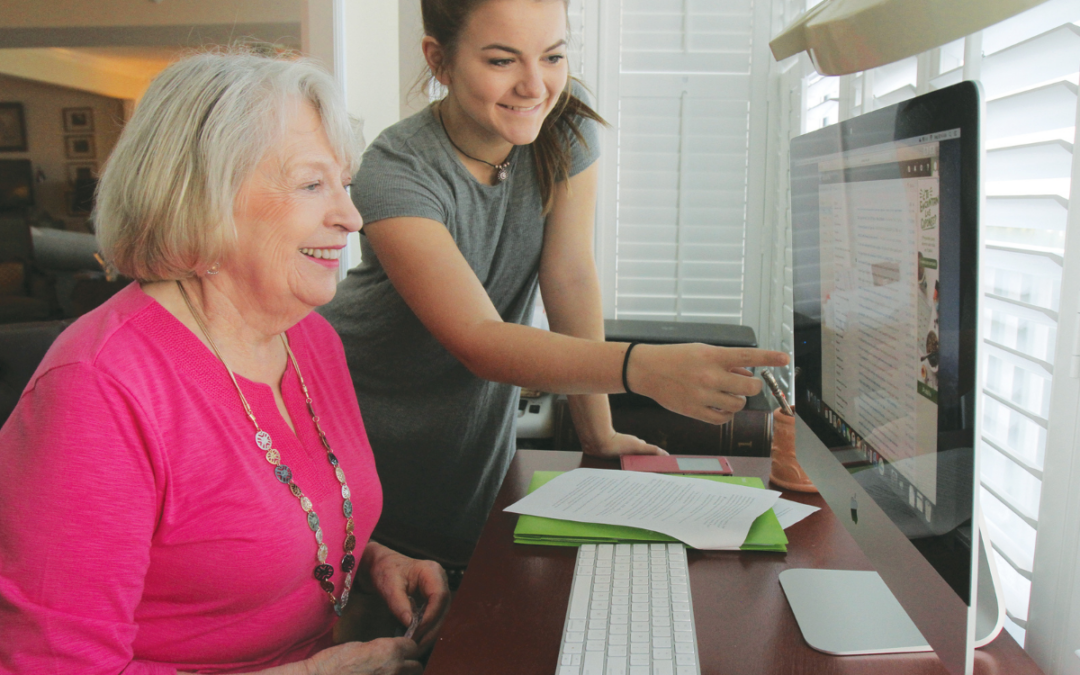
(188, 485)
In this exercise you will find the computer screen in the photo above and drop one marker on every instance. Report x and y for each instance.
(884, 253)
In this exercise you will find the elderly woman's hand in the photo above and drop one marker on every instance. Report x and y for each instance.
(385, 656)
(407, 584)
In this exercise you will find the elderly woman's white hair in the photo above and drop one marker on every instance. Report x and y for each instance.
(166, 198)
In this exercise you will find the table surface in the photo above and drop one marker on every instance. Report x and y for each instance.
(507, 616)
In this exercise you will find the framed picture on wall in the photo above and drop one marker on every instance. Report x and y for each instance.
(81, 172)
(78, 120)
(79, 147)
(12, 128)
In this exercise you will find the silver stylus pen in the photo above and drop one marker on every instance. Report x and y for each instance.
(774, 386)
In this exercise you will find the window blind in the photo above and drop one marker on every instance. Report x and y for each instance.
(1028, 67)
(682, 117)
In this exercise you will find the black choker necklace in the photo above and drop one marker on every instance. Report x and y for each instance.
(502, 171)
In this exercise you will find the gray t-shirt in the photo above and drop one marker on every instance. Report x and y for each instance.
(443, 438)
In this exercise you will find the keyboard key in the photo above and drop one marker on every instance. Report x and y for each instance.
(569, 670)
(681, 626)
(594, 663)
(661, 654)
(661, 632)
(575, 624)
(639, 616)
(640, 670)
(684, 648)
(640, 626)
(572, 648)
(575, 636)
(618, 629)
(616, 666)
(680, 607)
(596, 634)
(663, 668)
(639, 636)
(661, 642)
(571, 659)
(685, 659)
(639, 648)
(681, 616)
(639, 659)
(594, 646)
(686, 670)
(579, 599)
(616, 650)
(684, 637)
(620, 640)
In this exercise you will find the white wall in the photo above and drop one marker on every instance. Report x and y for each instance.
(410, 59)
(372, 82)
(369, 56)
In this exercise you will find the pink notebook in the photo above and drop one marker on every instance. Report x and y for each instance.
(702, 464)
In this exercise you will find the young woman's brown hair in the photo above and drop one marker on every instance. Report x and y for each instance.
(444, 20)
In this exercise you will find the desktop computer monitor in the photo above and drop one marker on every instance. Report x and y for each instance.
(885, 249)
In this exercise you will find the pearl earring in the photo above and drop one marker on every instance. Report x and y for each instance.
(214, 269)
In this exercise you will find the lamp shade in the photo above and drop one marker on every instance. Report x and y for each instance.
(848, 36)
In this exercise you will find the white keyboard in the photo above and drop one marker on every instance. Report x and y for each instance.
(630, 613)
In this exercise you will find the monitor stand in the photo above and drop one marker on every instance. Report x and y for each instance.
(846, 612)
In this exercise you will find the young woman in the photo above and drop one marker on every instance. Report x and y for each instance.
(469, 205)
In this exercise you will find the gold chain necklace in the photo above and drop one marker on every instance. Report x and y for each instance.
(323, 572)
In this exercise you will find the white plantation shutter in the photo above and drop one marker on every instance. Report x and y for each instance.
(1028, 70)
(1028, 67)
(678, 85)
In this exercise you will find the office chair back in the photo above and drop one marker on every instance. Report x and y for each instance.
(22, 347)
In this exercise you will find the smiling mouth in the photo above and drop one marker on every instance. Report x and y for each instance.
(518, 108)
(322, 253)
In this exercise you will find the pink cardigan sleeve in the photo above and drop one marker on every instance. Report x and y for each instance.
(79, 500)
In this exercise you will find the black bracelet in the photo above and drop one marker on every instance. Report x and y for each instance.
(626, 364)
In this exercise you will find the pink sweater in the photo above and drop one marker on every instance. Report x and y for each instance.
(141, 528)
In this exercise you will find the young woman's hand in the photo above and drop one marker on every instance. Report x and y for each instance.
(397, 578)
(622, 444)
(700, 381)
(385, 656)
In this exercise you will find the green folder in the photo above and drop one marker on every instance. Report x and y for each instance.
(765, 534)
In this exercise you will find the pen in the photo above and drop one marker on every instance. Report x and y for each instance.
(777, 392)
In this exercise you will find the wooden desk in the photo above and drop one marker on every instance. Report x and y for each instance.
(508, 614)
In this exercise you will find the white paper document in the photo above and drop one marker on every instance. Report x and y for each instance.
(789, 512)
(701, 513)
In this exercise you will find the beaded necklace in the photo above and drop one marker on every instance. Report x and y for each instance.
(323, 572)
